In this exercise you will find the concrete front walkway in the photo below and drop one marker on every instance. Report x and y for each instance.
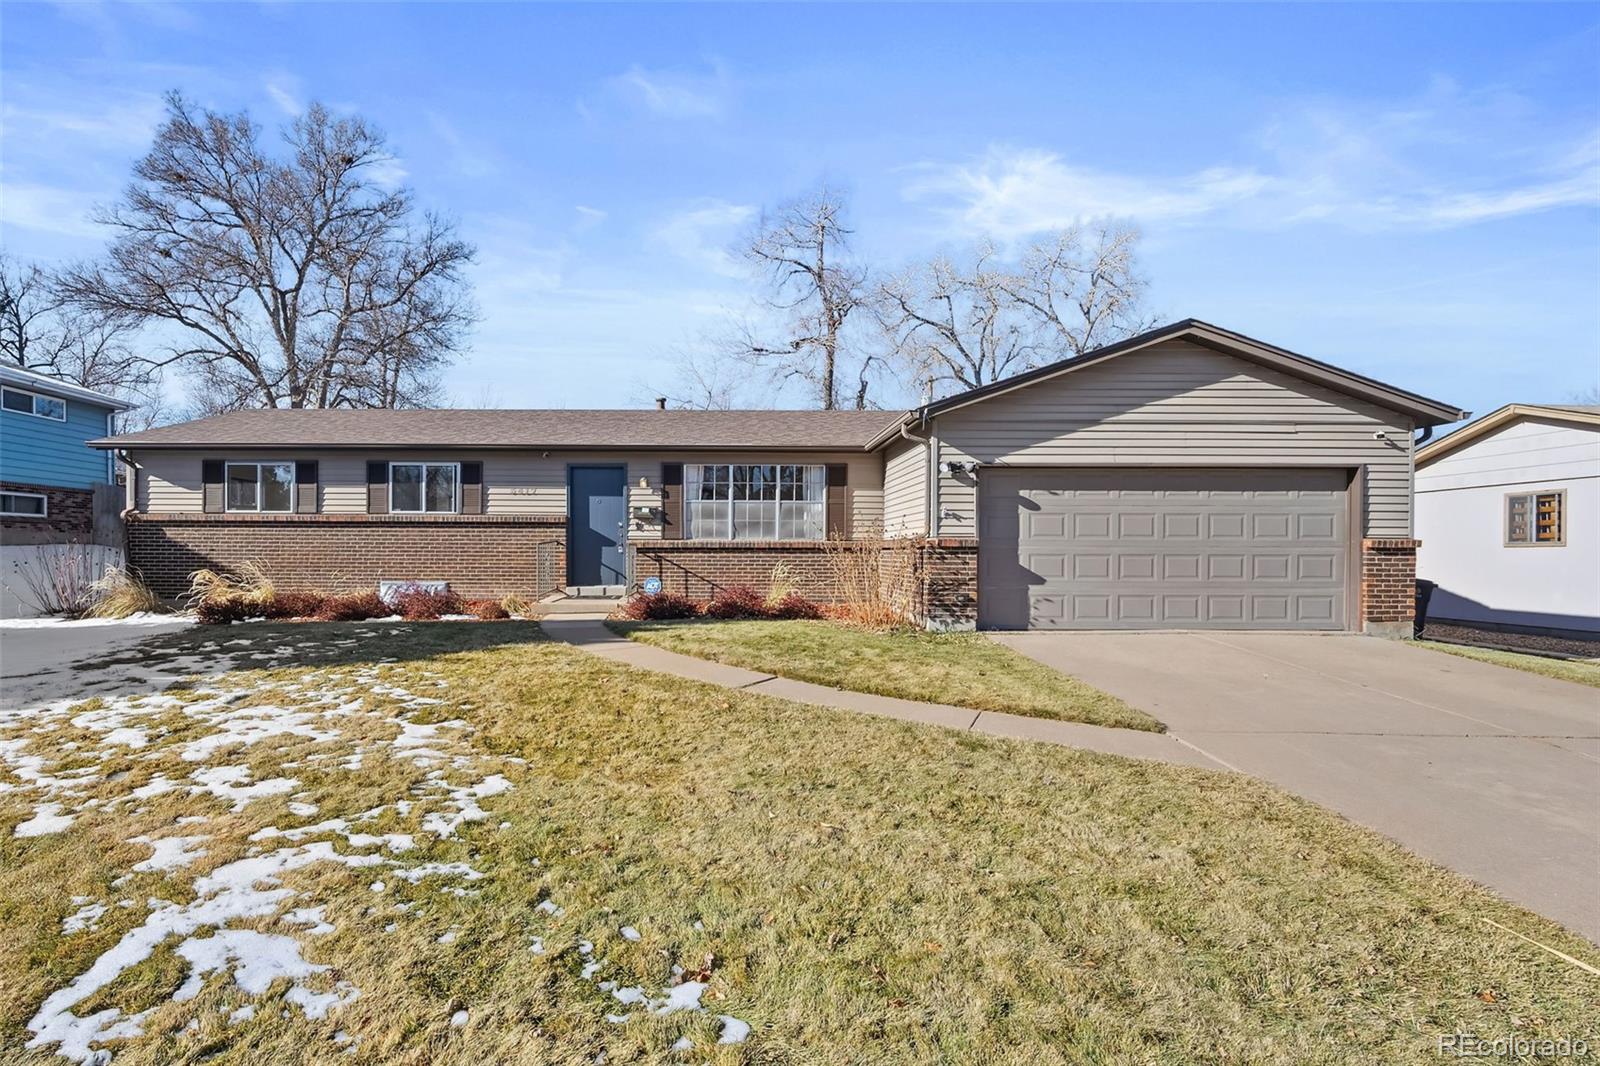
(1490, 771)
(591, 635)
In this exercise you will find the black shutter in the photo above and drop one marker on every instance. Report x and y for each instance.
(305, 486)
(377, 487)
(672, 501)
(838, 501)
(213, 475)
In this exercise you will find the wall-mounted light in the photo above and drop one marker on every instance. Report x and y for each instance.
(644, 482)
(953, 467)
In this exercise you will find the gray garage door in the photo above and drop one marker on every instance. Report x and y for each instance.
(1163, 549)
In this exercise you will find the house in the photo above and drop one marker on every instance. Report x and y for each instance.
(1509, 510)
(48, 471)
(1188, 477)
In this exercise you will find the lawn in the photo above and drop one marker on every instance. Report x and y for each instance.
(1584, 673)
(458, 843)
(962, 669)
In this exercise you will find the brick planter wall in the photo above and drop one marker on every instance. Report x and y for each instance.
(479, 555)
(948, 572)
(70, 515)
(701, 568)
(1389, 586)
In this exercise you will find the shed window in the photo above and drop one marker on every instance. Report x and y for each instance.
(32, 403)
(261, 487)
(1536, 518)
(24, 504)
(755, 501)
(425, 488)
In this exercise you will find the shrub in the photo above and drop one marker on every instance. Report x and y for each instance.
(355, 607)
(417, 604)
(875, 616)
(793, 606)
(117, 594)
(294, 605)
(222, 610)
(736, 601)
(663, 606)
(876, 578)
(487, 610)
(517, 605)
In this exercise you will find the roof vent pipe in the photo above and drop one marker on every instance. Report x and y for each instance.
(661, 403)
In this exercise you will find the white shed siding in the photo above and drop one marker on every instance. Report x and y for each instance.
(905, 488)
(1461, 523)
(514, 482)
(1178, 404)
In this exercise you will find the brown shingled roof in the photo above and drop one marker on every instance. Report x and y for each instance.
(836, 430)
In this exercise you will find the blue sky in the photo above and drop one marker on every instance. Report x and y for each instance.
(1412, 191)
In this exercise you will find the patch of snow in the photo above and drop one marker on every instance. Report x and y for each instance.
(47, 818)
(168, 853)
(243, 1014)
(138, 618)
(83, 918)
(229, 783)
(458, 1019)
(734, 1031)
(310, 916)
(447, 938)
(549, 907)
(303, 810)
(629, 933)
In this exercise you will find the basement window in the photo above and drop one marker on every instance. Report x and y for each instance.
(424, 488)
(267, 487)
(778, 501)
(1536, 519)
(24, 504)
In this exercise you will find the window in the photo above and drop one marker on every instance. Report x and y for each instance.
(756, 502)
(424, 488)
(1537, 519)
(24, 504)
(31, 403)
(260, 487)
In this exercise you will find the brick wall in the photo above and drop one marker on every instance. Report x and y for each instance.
(479, 555)
(70, 515)
(948, 569)
(1388, 585)
(700, 568)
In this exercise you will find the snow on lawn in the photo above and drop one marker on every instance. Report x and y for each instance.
(78, 764)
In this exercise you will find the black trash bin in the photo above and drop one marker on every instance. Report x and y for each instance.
(1424, 594)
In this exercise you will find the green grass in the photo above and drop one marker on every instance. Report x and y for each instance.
(861, 890)
(962, 669)
(1584, 673)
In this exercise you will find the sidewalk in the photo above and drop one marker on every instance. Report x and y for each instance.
(592, 636)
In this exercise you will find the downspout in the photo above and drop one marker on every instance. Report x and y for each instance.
(130, 491)
(933, 478)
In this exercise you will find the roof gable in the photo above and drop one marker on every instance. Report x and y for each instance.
(1510, 414)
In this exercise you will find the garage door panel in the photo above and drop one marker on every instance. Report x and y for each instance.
(1131, 549)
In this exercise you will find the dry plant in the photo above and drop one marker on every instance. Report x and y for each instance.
(249, 584)
(118, 594)
(519, 606)
(60, 579)
(875, 576)
(780, 583)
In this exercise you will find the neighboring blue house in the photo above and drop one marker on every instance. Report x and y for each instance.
(47, 473)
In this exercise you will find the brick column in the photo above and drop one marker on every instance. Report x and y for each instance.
(1389, 586)
(947, 575)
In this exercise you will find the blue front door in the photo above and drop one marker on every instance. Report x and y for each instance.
(598, 515)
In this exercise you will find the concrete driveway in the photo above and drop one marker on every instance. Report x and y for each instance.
(37, 662)
(1492, 772)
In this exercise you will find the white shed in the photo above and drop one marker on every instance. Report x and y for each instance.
(1508, 512)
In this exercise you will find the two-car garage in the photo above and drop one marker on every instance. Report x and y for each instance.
(1178, 548)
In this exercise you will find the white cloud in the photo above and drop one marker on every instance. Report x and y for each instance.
(701, 234)
(589, 217)
(1448, 158)
(675, 94)
(47, 209)
(388, 172)
(284, 90)
(466, 159)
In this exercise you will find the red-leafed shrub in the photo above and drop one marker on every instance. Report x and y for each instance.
(221, 610)
(487, 610)
(661, 607)
(737, 601)
(422, 605)
(792, 606)
(294, 605)
(355, 607)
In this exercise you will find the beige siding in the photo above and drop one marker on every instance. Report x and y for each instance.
(514, 482)
(1178, 404)
(905, 488)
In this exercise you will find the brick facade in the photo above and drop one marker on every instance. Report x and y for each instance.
(70, 515)
(479, 555)
(1388, 585)
(700, 568)
(948, 583)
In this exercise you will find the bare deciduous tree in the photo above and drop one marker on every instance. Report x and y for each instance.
(972, 323)
(41, 330)
(300, 282)
(801, 251)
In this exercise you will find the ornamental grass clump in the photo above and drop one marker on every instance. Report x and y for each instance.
(118, 594)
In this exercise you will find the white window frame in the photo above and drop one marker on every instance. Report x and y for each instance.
(808, 473)
(36, 397)
(294, 485)
(455, 504)
(1532, 505)
(44, 503)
